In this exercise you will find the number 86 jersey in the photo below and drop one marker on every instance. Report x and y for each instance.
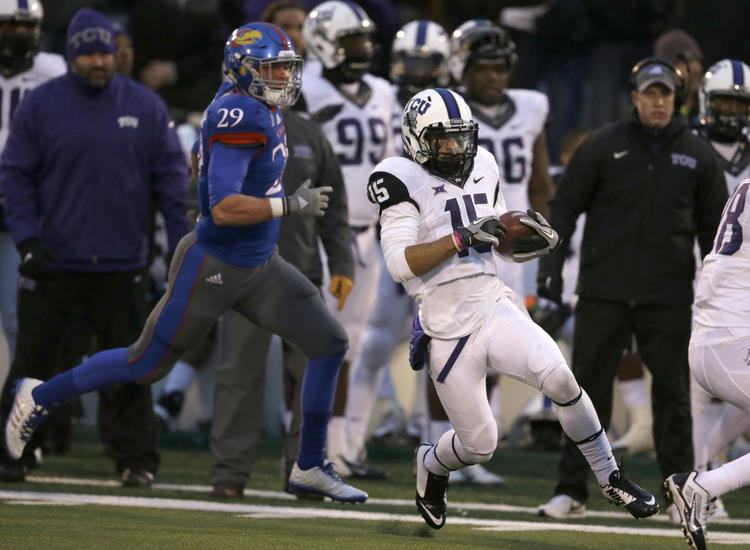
(417, 207)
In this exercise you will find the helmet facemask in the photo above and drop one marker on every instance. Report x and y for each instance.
(272, 91)
(19, 43)
(727, 123)
(418, 72)
(356, 50)
(448, 150)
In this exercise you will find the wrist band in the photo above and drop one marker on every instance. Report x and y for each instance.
(278, 206)
(457, 241)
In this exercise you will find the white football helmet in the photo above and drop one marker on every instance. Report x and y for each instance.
(438, 132)
(419, 55)
(20, 43)
(324, 28)
(726, 78)
(479, 39)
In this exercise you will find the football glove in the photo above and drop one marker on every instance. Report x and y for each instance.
(307, 200)
(549, 287)
(482, 230)
(419, 351)
(35, 260)
(528, 247)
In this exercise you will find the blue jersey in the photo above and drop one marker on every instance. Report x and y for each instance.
(253, 136)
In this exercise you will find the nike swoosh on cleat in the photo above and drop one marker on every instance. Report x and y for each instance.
(651, 501)
(432, 518)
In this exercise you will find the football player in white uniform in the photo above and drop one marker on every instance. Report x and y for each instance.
(724, 114)
(719, 356)
(439, 212)
(419, 57)
(22, 68)
(354, 109)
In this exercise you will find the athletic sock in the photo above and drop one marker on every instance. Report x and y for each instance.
(729, 477)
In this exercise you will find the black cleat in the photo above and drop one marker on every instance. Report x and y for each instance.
(692, 502)
(621, 491)
(431, 490)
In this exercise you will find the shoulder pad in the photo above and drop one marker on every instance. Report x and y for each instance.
(385, 189)
(240, 121)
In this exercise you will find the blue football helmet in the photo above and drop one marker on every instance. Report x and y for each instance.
(251, 55)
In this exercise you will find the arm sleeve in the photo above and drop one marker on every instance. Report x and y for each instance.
(169, 177)
(227, 170)
(333, 227)
(712, 196)
(399, 230)
(20, 166)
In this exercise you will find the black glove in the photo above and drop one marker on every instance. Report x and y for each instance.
(482, 230)
(528, 247)
(549, 287)
(549, 315)
(35, 260)
(419, 346)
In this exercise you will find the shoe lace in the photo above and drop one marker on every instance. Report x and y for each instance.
(330, 471)
(26, 430)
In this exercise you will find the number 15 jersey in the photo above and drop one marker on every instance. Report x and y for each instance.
(417, 207)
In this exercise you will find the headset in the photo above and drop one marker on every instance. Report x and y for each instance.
(677, 76)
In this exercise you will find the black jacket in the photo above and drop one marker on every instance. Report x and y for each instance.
(311, 157)
(647, 195)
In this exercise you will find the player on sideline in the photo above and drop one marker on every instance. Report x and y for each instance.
(229, 262)
(439, 213)
(719, 358)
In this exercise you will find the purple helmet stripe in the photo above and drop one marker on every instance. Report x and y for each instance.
(737, 73)
(355, 8)
(421, 32)
(23, 4)
(450, 103)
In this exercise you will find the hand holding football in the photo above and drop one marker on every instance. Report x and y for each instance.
(512, 221)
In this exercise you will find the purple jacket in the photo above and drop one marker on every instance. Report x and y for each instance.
(81, 168)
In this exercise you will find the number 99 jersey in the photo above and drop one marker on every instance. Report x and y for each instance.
(417, 207)
(243, 123)
(359, 127)
(721, 296)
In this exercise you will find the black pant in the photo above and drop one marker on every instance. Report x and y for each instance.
(662, 333)
(58, 319)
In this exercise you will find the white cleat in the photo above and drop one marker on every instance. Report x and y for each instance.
(692, 502)
(323, 481)
(476, 474)
(24, 417)
(562, 507)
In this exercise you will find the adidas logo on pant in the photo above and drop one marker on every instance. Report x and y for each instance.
(215, 279)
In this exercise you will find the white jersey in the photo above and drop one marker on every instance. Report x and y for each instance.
(45, 67)
(510, 137)
(417, 207)
(358, 125)
(736, 157)
(722, 297)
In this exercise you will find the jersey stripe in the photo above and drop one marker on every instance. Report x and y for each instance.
(450, 103)
(421, 32)
(239, 138)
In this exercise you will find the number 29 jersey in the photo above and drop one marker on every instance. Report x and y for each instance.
(722, 296)
(417, 207)
(241, 122)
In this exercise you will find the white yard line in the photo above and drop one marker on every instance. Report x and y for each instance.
(254, 511)
(279, 495)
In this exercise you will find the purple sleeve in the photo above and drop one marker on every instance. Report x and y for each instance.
(19, 172)
(227, 171)
(169, 177)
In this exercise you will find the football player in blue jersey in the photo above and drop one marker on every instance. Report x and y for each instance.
(230, 262)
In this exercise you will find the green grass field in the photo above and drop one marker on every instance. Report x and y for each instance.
(75, 501)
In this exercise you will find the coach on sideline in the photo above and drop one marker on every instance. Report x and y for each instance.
(648, 187)
(87, 154)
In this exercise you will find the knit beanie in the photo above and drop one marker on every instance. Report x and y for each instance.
(89, 32)
(676, 44)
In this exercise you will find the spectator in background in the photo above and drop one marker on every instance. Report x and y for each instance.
(124, 51)
(681, 49)
(87, 154)
(238, 398)
(649, 187)
(22, 68)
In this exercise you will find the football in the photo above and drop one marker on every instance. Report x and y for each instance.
(512, 221)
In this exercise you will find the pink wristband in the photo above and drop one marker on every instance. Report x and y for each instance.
(457, 241)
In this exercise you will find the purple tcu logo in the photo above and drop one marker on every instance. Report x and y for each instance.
(92, 34)
(418, 105)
